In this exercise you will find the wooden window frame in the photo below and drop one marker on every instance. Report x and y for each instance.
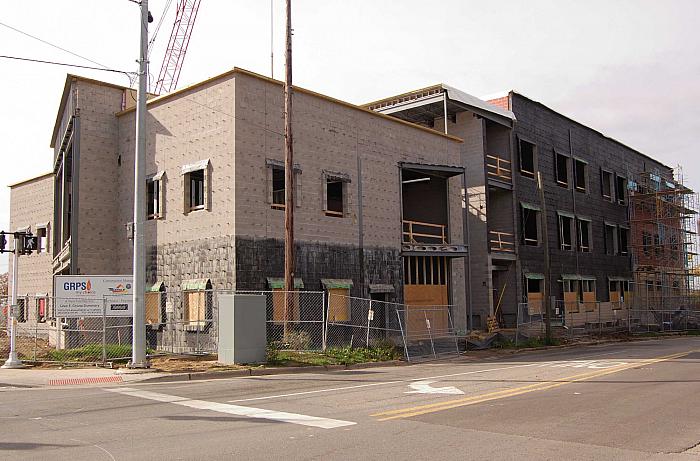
(45, 229)
(276, 165)
(611, 186)
(344, 179)
(579, 235)
(557, 179)
(205, 167)
(523, 172)
(578, 187)
(572, 231)
(621, 200)
(158, 196)
(529, 241)
(611, 250)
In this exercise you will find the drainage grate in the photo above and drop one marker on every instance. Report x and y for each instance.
(74, 381)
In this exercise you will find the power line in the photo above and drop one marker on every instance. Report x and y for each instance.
(160, 23)
(53, 45)
(40, 61)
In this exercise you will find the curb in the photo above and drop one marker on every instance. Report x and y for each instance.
(202, 375)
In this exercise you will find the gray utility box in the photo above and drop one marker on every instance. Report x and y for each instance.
(242, 329)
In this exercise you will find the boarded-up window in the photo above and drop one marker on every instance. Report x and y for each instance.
(279, 298)
(196, 303)
(570, 289)
(153, 308)
(534, 296)
(588, 295)
(338, 304)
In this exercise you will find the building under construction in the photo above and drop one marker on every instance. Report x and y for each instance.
(663, 223)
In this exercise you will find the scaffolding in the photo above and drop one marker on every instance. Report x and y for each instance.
(663, 242)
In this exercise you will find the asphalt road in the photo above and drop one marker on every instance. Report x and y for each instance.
(633, 401)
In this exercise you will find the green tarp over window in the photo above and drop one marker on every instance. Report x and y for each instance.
(278, 283)
(155, 287)
(329, 284)
(195, 284)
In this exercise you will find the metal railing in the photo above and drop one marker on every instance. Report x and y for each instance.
(417, 232)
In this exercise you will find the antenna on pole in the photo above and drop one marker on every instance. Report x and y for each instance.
(272, 41)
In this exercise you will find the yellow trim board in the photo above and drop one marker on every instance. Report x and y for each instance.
(238, 70)
(447, 405)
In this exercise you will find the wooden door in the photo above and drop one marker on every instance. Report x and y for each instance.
(426, 295)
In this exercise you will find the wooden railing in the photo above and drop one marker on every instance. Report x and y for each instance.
(498, 168)
(433, 233)
(502, 241)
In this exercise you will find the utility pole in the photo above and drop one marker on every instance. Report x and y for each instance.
(12, 360)
(545, 238)
(288, 176)
(138, 349)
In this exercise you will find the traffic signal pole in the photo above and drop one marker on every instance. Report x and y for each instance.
(12, 360)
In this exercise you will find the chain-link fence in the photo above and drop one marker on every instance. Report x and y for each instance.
(420, 331)
(571, 319)
(187, 322)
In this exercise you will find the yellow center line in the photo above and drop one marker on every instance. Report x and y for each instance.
(449, 404)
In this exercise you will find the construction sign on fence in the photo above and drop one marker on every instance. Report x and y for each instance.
(90, 295)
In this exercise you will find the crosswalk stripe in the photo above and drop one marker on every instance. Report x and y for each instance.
(260, 413)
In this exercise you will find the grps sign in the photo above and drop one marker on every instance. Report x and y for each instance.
(93, 295)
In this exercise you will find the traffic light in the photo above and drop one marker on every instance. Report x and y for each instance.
(3, 241)
(28, 243)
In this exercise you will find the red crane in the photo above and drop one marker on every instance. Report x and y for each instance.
(174, 57)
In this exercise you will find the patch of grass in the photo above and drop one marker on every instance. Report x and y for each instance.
(526, 343)
(91, 353)
(333, 356)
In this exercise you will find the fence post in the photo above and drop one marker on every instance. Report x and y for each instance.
(403, 336)
(324, 326)
(517, 325)
(104, 332)
(369, 316)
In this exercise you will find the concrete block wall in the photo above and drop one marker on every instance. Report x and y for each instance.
(550, 132)
(97, 187)
(193, 125)
(333, 137)
(472, 130)
(31, 203)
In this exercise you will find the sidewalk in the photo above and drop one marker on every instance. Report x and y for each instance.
(40, 377)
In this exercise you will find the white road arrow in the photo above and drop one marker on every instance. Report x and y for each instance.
(423, 387)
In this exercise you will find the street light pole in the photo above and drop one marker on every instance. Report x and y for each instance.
(12, 360)
(138, 349)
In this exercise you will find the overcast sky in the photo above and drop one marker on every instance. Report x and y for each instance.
(627, 68)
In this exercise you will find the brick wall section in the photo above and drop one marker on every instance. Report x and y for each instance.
(31, 203)
(502, 102)
(550, 132)
(97, 185)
